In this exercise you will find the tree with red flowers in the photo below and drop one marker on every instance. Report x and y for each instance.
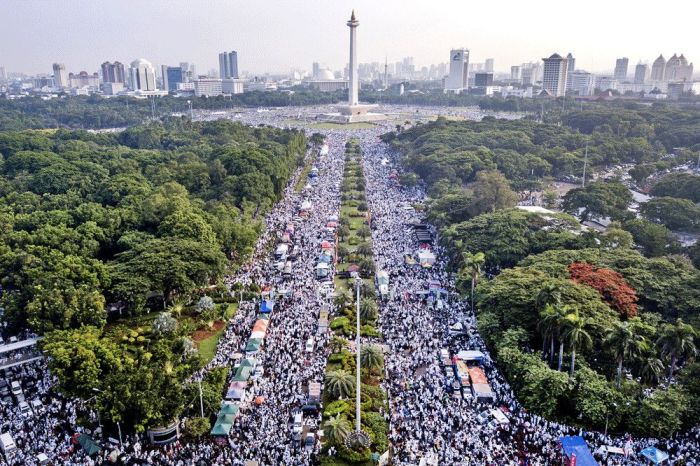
(611, 285)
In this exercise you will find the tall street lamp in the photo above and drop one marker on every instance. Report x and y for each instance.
(357, 439)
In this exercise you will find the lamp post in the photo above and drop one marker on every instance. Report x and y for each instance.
(357, 439)
(607, 413)
(358, 281)
(97, 410)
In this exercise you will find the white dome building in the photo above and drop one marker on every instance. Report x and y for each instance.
(142, 75)
(325, 75)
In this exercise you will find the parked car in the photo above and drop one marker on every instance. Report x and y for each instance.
(309, 441)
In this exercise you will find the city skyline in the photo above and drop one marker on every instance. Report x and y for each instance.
(57, 32)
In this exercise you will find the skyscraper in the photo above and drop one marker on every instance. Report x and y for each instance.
(570, 63)
(3, 76)
(459, 69)
(315, 69)
(515, 73)
(621, 65)
(658, 69)
(678, 69)
(580, 82)
(228, 65)
(60, 76)
(172, 76)
(554, 75)
(142, 76)
(488, 65)
(113, 72)
(641, 73)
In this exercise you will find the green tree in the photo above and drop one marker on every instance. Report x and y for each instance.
(491, 192)
(552, 323)
(676, 341)
(675, 214)
(196, 427)
(472, 270)
(363, 232)
(599, 199)
(364, 249)
(81, 359)
(372, 357)
(576, 333)
(368, 310)
(337, 344)
(622, 341)
(340, 383)
(654, 240)
(336, 429)
(343, 232)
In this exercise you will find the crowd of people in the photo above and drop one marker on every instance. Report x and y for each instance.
(427, 420)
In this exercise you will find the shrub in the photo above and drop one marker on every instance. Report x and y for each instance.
(195, 427)
(336, 407)
(205, 304)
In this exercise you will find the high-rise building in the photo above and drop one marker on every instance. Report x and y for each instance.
(515, 73)
(189, 71)
(530, 73)
(554, 75)
(83, 79)
(483, 79)
(621, 65)
(606, 83)
(60, 75)
(315, 68)
(658, 69)
(142, 76)
(488, 65)
(678, 69)
(580, 82)
(641, 73)
(113, 72)
(459, 70)
(570, 63)
(3, 76)
(172, 76)
(228, 65)
(207, 87)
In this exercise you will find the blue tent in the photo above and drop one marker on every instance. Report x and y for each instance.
(654, 455)
(267, 306)
(575, 445)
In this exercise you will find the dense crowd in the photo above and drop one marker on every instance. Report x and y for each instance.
(427, 419)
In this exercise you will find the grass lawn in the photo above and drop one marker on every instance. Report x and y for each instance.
(304, 177)
(207, 346)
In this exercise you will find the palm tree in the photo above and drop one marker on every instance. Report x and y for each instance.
(371, 357)
(337, 344)
(623, 342)
(343, 299)
(651, 370)
(340, 383)
(472, 269)
(676, 341)
(177, 307)
(577, 335)
(343, 231)
(368, 310)
(550, 293)
(336, 429)
(364, 249)
(551, 324)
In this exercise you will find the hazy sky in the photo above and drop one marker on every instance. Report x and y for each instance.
(278, 35)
